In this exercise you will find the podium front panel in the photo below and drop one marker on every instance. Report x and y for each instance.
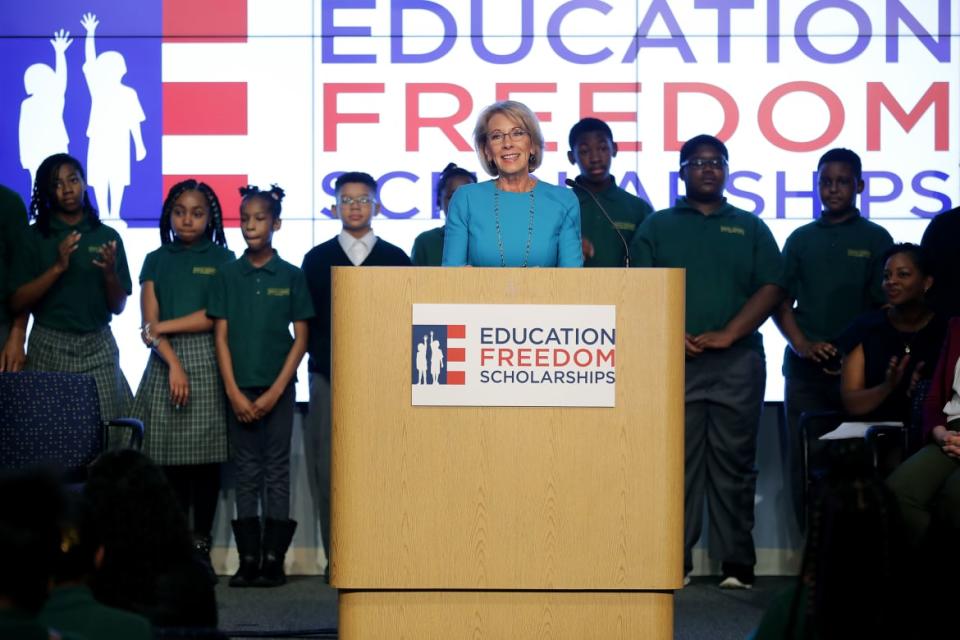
(506, 497)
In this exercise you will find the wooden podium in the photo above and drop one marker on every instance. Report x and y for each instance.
(506, 522)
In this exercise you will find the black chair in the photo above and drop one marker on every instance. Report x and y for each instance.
(877, 453)
(53, 420)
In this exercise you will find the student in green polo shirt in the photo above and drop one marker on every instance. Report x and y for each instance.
(609, 215)
(71, 274)
(13, 329)
(734, 275)
(253, 301)
(428, 246)
(180, 399)
(833, 274)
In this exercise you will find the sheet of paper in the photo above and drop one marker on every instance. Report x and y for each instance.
(848, 430)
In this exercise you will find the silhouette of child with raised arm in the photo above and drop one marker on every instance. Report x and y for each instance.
(115, 116)
(42, 132)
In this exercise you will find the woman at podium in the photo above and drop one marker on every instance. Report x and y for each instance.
(514, 220)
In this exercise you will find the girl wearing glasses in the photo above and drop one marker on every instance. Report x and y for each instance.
(514, 220)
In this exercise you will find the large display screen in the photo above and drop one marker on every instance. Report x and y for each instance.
(295, 92)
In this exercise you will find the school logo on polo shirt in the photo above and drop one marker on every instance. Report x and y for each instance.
(513, 355)
(738, 231)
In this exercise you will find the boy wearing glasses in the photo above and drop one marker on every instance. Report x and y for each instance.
(833, 274)
(734, 276)
(356, 205)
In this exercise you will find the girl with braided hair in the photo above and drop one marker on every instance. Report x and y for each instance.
(181, 400)
(70, 271)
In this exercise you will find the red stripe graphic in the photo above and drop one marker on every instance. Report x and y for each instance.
(227, 190)
(204, 108)
(204, 20)
(456, 354)
(456, 331)
(456, 377)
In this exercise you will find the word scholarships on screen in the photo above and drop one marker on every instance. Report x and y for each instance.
(753, 69)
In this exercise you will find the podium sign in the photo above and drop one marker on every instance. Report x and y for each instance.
(513, 355)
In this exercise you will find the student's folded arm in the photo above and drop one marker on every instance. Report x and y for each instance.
(150, 314)
(786, 321)
(196, 322)
(294, 356)
(754, 311)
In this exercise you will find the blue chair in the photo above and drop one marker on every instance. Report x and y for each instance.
(53, 420)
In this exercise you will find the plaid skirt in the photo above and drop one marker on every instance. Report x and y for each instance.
(93, 353)
(197, 432)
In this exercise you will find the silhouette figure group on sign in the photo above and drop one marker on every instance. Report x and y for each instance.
(115, 117)
(436, 360)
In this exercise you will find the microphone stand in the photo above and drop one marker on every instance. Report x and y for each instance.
(626, 249)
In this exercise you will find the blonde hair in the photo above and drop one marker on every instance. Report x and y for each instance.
(518, 112)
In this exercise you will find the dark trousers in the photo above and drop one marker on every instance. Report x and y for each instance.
(810, 391)
(317, 434)
(261, 454)
(197, 487)
(724, 398)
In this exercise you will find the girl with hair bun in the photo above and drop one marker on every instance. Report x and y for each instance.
(181, 400)
(253, 302)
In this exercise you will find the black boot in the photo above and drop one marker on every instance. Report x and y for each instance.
(247, 533)
(201, 549)
(277, 535)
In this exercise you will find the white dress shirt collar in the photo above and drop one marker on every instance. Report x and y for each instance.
(357, 249)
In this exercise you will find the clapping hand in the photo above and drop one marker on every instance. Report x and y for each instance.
(896, 369)
(108, 256)
(66, 248)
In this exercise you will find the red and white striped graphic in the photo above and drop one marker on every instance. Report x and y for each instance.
(456, 353)
(204, 116)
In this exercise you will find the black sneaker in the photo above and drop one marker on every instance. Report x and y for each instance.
(737, 576)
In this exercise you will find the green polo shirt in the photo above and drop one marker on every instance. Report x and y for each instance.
(13, 221)
(182, 274)
(833, 271)
(627, 212)
(73, 610)
(77, 301)
(259, 305)
(428, 248)
(728, 255)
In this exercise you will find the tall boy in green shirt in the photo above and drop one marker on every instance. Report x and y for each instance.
(605, 240)
(833, 274)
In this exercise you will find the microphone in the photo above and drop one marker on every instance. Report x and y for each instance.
(626, 249)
